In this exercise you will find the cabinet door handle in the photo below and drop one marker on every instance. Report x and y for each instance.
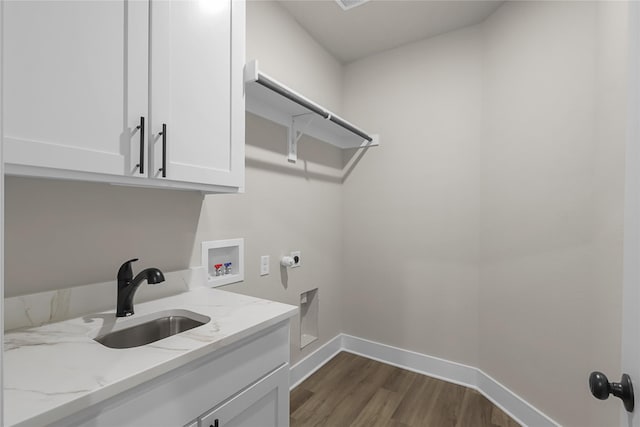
(141, 128)
(163, 169)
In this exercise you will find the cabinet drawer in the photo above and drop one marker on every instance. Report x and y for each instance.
(264, 404)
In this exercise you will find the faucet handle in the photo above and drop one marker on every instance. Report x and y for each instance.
(125, 273)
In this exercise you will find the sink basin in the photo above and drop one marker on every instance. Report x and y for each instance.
(153, 328)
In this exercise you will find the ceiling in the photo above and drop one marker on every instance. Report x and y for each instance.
(378, 25)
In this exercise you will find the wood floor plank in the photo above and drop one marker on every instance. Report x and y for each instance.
(417, 402)
(355, 400)
(378, 410)
(299, 395)
(475, 411)
(319, 410)
(353, 391)
(332, 371)
(323, 383)
(478, 410)
(447, 407)
(500, 418)
(400, 380)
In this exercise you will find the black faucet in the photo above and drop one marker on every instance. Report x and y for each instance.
(127, 285)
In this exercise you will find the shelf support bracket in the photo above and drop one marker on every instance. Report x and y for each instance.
(299, 125)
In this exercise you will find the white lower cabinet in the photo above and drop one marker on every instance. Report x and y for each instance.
(243, 385)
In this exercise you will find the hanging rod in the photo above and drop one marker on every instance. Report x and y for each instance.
(348, 126)
(266, 82)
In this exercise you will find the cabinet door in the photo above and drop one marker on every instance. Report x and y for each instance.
(76, 84)
(196, 91)
(265, 404)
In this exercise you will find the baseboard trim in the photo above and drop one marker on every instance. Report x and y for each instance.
(515, 406)
(457, 373)
(442, 369)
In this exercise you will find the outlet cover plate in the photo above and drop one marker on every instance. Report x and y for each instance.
(264, 265)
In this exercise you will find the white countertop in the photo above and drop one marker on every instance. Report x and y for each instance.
(55, 370)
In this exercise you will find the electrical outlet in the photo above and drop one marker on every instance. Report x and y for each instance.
(297, 258)
(264, 265)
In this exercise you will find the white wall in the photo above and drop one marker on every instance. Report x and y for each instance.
(287, 207)
(411, 205)
(487, 229)
(61, 234)
(552, 203)
(286, 52)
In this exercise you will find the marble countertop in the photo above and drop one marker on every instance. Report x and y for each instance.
(57, 369)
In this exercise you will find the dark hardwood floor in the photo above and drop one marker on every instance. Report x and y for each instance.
(355, 391)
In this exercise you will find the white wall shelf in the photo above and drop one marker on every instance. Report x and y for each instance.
(221, 252)
(268, 98)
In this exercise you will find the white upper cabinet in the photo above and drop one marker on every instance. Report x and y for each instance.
(193, 86)
(90, 84)
(76, 84)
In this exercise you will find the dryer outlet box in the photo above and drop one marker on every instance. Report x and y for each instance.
(297, 258)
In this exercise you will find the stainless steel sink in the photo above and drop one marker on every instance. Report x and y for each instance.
(160, 326)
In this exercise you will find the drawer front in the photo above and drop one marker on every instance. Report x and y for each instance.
(264, 404)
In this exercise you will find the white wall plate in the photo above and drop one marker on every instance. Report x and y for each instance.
(221, 252)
